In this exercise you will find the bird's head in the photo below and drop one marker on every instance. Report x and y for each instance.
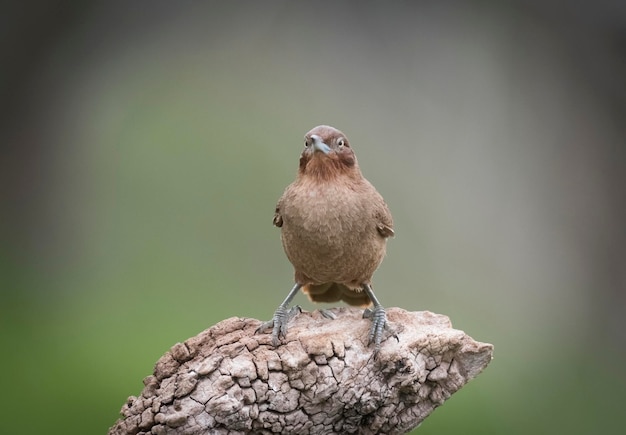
(327, 154)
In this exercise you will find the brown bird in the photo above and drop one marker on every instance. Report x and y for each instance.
(334, 230)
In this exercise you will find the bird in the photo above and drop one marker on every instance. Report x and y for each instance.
(334, 230)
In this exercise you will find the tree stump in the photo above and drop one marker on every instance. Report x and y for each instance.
(322, 379)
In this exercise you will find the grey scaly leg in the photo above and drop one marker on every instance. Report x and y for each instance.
(282, 316)
(378, 316)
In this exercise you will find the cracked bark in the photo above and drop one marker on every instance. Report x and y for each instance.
(322, 379)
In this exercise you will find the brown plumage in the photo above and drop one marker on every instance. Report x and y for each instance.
(334, 228)
(334, 223)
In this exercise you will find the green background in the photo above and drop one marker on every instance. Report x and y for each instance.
(149, 141)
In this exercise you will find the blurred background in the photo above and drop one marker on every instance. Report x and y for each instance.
(145, 145)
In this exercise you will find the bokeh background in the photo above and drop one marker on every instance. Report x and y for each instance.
(145, 145)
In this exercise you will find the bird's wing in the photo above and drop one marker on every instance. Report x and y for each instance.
(384, 223)
(278, 219)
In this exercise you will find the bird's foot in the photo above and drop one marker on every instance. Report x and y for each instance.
(328, 314)
(279, 322)
(379, 323)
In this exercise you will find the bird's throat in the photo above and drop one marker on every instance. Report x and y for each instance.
(323, 168)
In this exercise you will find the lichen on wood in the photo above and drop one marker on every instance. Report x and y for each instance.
(323, 378)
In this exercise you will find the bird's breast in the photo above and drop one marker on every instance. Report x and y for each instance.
(326, 216)
(329, 233)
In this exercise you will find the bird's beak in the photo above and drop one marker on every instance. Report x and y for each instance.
(319, 145)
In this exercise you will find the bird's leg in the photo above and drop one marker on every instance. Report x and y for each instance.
(378, 316)
(282, 316)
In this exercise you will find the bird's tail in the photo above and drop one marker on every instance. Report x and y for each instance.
(333, 292)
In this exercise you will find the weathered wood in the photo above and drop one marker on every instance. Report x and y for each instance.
(323, 379)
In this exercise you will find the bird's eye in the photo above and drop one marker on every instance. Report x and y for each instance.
(341, 142)
(306, 142)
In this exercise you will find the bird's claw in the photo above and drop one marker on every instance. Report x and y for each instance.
(328, 314)
(379, 323)
(279, 322)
